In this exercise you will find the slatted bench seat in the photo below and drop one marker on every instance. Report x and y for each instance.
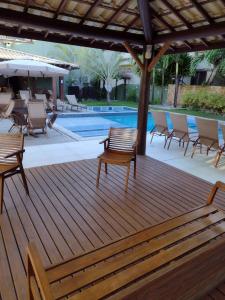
(182, 258)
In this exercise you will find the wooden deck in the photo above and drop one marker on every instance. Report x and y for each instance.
(66, 215)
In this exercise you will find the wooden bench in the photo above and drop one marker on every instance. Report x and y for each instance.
(182, 258)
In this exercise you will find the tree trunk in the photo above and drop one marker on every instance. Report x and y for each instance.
(153, 86)
(162, 86)
(177, 79)
(108, 97)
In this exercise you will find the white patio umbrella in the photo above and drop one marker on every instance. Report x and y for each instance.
(30, 68)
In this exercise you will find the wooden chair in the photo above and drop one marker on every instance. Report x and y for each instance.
(11, 157)
(119, 149)
(160, 125)
(221, 149)
(207, 136)
(181, 131)
(181, 258)
(36, 116)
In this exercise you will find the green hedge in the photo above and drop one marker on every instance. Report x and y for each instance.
(204, 100)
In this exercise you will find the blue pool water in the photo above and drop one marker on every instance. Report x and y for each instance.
(97, 125)
(111, 108)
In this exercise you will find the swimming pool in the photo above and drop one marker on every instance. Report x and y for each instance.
(89, 125)
(111, 109)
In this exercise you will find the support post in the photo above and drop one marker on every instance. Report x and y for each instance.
(143, 108)
(54, 90)
(61, 88)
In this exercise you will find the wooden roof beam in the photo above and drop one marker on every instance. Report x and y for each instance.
(156, 58)
(60, 26)
(134, 55)
(117, 13)
(146, 19)
(194, 33)
(60, 8)
(96, 3)
(28, 3)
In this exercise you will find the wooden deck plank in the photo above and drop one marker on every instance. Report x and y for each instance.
(66, 214)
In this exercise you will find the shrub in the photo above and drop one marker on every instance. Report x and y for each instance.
(204, 100)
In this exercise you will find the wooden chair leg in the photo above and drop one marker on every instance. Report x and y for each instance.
(127, 177)
(1, 192)
(106, 168)
(99, 171)
(194, 149)
(135, 168)
(169, 143)
(24, 180)
(217, 159)
(186, 148)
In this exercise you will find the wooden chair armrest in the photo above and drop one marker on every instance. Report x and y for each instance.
(217, 186)
(15, 153)
(104, 141)
(35, 269)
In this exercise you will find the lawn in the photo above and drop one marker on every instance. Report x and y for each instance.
(112, 103)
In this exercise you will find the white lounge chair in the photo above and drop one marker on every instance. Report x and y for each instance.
(25, 95)
(48, 104)
(36, 116)
(73, 102)
(60, 105)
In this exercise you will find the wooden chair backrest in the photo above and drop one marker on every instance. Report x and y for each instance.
(223, 131)
(36, 110)
(179, 122)
(9, 143)
(5, 99)
(8, 109)
(159, 119)
(207, 128)
(122, 140)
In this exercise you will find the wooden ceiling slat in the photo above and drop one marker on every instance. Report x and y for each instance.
(117, 13)
(202, 11)
(61, 7)
(176, 13)
(89, 11)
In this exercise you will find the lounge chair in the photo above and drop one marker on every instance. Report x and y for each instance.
(36, 116)
(25, 95)
(60, 105)
(7, 110)
(119, 149)
(221, 149)
(5, 100)
(160, 125)
(48, 104)
(11, 157)
(73, 102)
(207, 135)
(180, 258)
(180, 131)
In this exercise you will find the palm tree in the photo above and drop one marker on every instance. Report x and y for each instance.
(217, 59)
(97, 64)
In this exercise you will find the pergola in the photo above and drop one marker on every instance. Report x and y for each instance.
(148, 27)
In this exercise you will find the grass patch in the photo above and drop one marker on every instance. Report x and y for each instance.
(112, 103)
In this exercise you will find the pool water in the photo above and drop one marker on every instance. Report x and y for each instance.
(111, 108)
(98, 125)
